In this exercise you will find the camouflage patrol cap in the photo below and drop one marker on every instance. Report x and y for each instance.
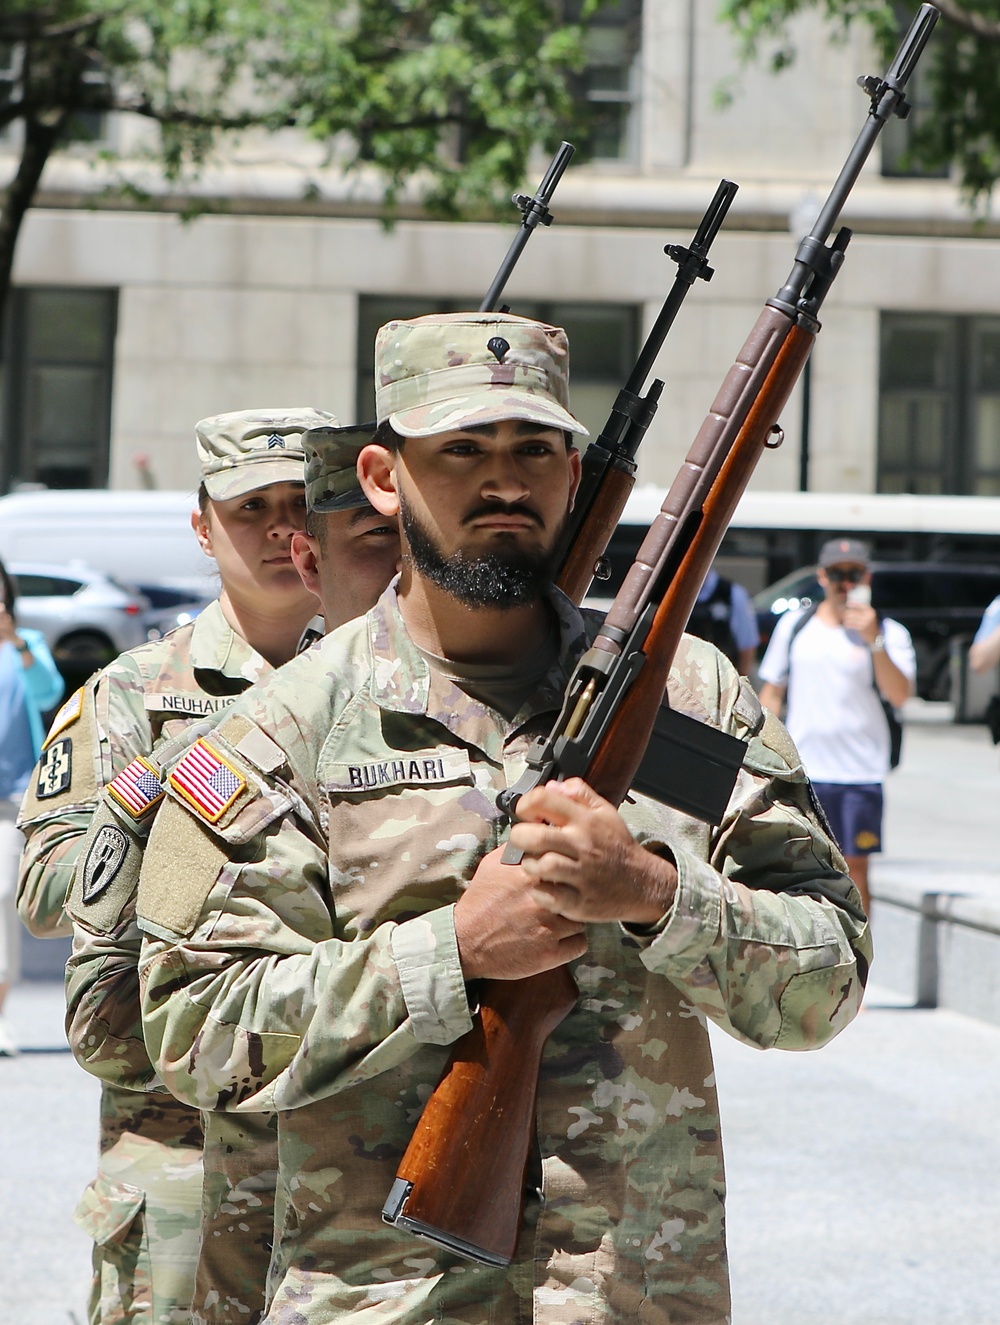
(332, 466)
(458, 370)
(251, 448)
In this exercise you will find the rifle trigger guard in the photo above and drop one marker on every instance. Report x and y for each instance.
(775, 437)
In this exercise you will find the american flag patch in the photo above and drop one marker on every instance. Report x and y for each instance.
(68, 714)
(206, 781)
(136, 788)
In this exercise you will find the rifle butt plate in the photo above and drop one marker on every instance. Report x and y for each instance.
(393, 1213)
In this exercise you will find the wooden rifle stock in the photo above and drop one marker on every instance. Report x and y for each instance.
(463, 1175)
(620, 753)
(669, 570)
(577, 570)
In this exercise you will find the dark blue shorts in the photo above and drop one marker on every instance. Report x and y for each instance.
(855, 814)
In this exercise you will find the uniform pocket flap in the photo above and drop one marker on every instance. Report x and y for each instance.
(107, 1209)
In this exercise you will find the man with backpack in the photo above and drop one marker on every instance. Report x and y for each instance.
(843, 669)
(724, 616)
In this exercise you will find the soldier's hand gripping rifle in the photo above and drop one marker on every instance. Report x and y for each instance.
(613, 702)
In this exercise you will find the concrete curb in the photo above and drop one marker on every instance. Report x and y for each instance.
(936, 931)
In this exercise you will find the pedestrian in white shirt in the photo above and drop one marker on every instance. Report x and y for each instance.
(836, 664)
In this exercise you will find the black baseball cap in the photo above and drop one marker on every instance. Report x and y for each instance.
(842, 551)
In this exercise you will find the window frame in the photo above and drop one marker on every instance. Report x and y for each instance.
(17, 441)
(960, 472)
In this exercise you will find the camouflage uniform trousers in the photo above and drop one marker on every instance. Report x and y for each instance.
(147, 1197)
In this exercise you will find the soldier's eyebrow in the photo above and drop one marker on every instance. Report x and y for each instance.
(362, 513)
(523, 427)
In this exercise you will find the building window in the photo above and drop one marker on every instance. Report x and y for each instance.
(603, 341)
(90, 126)
(85, 126)
(55, 403)
(8, 83)
(609, 84)
(939, 405)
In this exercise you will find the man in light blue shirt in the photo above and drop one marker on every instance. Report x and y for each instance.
(984, 652)
(29, 684)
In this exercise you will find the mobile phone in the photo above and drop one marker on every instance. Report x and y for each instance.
(859, 595)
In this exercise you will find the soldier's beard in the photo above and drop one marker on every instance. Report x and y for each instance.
(505, 578)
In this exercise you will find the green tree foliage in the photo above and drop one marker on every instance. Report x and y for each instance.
(961, 64)
(451, 93)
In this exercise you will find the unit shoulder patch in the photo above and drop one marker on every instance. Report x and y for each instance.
(65, 717)
(104, 861)
(55, 769)
(207, 782)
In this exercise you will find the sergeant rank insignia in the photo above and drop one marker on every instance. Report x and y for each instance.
(55, 771)
(207, 782)
(137, 789)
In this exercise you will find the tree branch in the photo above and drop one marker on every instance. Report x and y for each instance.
(970, 21)
(32, 27)
(39, 140)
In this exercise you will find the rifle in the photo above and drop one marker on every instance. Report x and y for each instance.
(534, 212)
(460, 1182)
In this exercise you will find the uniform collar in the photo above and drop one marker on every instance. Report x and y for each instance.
(216, 647)
(402, 681)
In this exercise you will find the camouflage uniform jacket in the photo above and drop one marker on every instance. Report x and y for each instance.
(312, 968)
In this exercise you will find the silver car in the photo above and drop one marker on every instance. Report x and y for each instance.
(87, 617)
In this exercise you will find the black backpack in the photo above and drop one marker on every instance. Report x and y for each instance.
(891, 716)
(712, 620)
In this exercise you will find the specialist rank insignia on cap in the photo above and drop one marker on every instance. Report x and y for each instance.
(137, 789)
(206, 781)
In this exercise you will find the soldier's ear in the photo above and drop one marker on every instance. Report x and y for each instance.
(306, 561)
(575, 474)
(377, 476)
(201, 523)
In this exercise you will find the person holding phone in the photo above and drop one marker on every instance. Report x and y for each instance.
(834, 664)
(29, 685)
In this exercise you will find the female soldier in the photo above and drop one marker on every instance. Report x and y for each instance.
(144, 1208)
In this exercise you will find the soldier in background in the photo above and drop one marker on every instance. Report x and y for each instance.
(724, 615)
(144, 1208)
(338, 840)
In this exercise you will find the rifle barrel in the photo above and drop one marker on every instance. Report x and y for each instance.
(534, 211)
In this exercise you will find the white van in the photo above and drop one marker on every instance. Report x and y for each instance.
(142, 538)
